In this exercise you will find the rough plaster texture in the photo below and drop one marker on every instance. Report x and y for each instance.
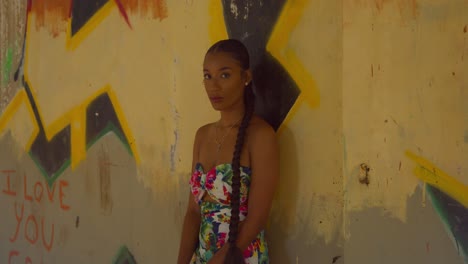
(377, 80)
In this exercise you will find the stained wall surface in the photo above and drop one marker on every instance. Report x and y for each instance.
(100, 101)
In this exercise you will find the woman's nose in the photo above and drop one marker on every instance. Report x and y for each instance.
(213, 85)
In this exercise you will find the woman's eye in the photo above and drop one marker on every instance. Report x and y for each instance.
(225, 75)
(206, 76)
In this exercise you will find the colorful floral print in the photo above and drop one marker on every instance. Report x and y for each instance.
(215, 216)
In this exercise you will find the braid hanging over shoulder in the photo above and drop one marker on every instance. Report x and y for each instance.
(234, 255)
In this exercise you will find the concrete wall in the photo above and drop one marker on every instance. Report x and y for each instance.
(405, 123)
(100, 100)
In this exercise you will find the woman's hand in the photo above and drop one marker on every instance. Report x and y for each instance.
(219, 257)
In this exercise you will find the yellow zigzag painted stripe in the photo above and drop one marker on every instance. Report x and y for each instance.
(76, 117)
(74, 41)
(217, 26)
(20, 100)
(278, 46)
(429, 173)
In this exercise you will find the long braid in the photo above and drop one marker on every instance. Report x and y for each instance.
(240, 53)
(234, 255)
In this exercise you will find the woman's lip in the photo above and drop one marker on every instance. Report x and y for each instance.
(216, 98)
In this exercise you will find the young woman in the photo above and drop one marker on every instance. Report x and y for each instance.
(235, 168)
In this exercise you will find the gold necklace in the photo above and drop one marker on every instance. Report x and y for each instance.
(219, 143)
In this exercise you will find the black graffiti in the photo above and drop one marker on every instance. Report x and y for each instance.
(455, 215)
(53, 156)
(253, 22)
(82, 11)
(124, 256)
(101, 118)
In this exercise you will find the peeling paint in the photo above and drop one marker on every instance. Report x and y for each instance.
(54, 14)
(247, 9)
(234, 9)
(364, 174)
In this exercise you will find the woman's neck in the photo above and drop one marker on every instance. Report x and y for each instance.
(231, 118)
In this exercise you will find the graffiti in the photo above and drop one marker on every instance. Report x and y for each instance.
(53, 154)
(124, 256)
(38, 190)
(86, 15)
(434, 176)
(278, 73)
(65, 142)
(450, 199)
(7, 64)
(62, 142)
(79, 18)
(14, 254)
(30, 226)
(83, 11)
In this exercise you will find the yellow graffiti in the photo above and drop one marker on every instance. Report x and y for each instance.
(76, 117)
(20, 100)
(74, 41)
(278, 47)
(217, 27)
(430, 174)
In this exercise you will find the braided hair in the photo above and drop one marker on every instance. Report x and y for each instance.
(240, 53)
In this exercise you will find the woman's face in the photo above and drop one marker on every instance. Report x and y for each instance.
(224, 81)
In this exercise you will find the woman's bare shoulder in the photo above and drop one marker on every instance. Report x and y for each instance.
(259, 127)
(203, 131)
(260, 133)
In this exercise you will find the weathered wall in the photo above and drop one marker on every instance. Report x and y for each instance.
(405, 122)
(96, 131)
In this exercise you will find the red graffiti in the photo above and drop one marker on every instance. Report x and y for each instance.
(18, 219)
(35, 192)
(62, 185)
(11, 255)
(16, 254)
(26, 196)
(31, 219)
(8, 191)
(31, 229)
(29, 226)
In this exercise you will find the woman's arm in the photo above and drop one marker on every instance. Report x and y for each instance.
(264, 162)
(192, 220)
(191, 227)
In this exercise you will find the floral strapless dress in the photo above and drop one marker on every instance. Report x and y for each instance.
(215, 216)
